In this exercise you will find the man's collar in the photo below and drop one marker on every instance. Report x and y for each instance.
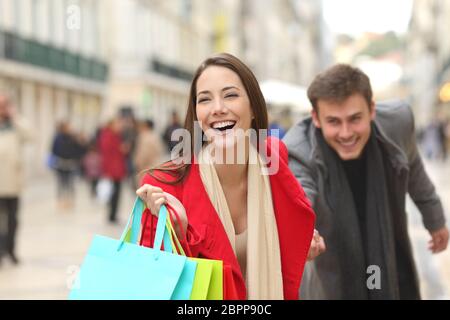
(396, 155)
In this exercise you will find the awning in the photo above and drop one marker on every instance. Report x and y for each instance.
(284, 94)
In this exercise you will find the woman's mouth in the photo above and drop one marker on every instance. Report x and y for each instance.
(223, 126)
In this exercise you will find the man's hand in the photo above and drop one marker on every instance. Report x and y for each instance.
(439, 240)
(317, 246)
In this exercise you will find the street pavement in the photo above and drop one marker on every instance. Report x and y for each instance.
(51, 243)
(433, 269)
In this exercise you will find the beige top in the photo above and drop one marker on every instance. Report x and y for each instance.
(12, 143)
(241, 252)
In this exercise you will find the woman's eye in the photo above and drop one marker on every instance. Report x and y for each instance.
(231, 95)
(203, 100)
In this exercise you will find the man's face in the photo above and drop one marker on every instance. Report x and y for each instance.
(345, 125)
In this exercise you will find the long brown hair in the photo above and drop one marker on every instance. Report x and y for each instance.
(257, 105)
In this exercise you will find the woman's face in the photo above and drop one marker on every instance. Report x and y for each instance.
(222, 106)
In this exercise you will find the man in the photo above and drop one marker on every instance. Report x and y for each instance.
(356, 162)
(13, 134)
(149, 147)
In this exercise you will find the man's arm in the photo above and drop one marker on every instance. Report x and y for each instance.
(304, 176)
(423, 193)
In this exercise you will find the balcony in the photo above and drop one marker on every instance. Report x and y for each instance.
(32, 52)
(169, 70)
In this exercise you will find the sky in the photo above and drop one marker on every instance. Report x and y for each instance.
(354, 17)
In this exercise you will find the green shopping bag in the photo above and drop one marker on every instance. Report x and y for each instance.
(208, 281)
(117, 269)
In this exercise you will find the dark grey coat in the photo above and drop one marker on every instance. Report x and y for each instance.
(395, 123)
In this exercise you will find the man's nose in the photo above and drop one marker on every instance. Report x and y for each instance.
(345, 132)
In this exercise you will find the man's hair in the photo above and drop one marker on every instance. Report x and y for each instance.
(338, 83)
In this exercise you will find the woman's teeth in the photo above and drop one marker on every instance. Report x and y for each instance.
(223, 125)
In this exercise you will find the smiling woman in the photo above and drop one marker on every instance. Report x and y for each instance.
(222, 106)
(256, 220)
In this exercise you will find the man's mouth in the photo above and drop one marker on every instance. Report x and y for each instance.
(223, 126)
(348, 144)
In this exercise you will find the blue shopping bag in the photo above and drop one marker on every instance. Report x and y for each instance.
(122, 270)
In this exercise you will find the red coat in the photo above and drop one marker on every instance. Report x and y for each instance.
(113, 161)
(207, 237)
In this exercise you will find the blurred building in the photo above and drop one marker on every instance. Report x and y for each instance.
(155, 46)
(285, 40)
(154, 49)
(84, 60)
(428, 56)
(53, 61)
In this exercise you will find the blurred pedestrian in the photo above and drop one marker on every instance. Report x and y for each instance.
(167, 136)
(149, 148)
(92, 169)
(67, 152)
(447, 138)
(357, 161)
(432, 140)
(129, 137)
(275, 128)
(443, 125)
(14, 132)
(113, 152)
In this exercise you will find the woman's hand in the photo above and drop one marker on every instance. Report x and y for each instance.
(155, 197)
(317, 246)
(152, 196)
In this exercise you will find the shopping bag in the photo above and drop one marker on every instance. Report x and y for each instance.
(208, 281)
(117, 269)
(204, 268)
(104, 190)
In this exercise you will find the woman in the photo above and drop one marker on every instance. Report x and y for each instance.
(261, 225)
(113, 151)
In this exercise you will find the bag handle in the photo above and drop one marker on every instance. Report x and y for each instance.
(160, 227)
(183, 234)
(135, 216)
(171, 240)
(135, 221)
